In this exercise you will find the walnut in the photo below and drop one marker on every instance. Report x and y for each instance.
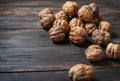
(94, 53)
(61, 15)
(78, 35)
(97, 20)
(113, 51)
(63, 23)
(81, 72)
(95, 9)
(57, 34)
(105, 26)
(90, 27)
(44, 12)
(101, 37)
(86, 13)
(47, 22)
(71, 8)
(76, 22)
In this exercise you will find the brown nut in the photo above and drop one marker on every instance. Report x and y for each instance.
(94, 53)
(76, 22)
(105, 26)
(47, 22)
(71, 8)
(86, 13)
(63, 23)
(95, 9)
(81, 72)
(78, 35)
(61, 15)
(90, 27)
(44, 12)
(113, 51)
(57, 34)
(101, 37)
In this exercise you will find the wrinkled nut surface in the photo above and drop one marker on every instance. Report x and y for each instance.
(71, 8)
(81, 72)
(90, 27)
(94, 53)
(57, 34)
(95, 9)
(47, 22)
(86, 13)
(105, 26)
(101, 37)
(78, 35)
(113, 51)
(63, 23)
(44, 12)
(76, 22)
(61, 15)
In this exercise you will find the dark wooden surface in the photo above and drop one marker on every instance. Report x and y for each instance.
(27, 53)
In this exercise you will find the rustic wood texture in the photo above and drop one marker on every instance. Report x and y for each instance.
(27, 53)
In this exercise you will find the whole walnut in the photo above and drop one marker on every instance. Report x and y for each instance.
(78, 35)
(95, 9)
(57, 34)
(101, 37)
(76, 22)
(44, 12)
(81, 72)
(113, 51)
(47, 22)
(63, 23)
(61, 15)
(105, 26)
(90, 27)
(71, 8)
(86, 13)
(94, 53)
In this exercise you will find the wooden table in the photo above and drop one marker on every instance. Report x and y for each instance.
(27, 53)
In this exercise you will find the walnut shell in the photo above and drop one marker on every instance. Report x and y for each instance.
(44, 12)
(81, 72)
(78, 35)
(57, 34)
(113, 51)
(63, 23)
(95, 9)
(94, 53)
(47, 22)
(105, 26)
(71, 8)
(61, 15)
(101, 37)
(90, 27)
(76, 22)
(86, 13)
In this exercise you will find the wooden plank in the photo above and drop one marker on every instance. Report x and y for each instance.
(100, 75)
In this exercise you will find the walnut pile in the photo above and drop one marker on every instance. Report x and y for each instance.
(71, 8)
(76, 22)
(57, 34)
(81, 72)
(113, 51)
(78, 35)
(101, 37)
(61, 15)
(63, 23)
(94, 53)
